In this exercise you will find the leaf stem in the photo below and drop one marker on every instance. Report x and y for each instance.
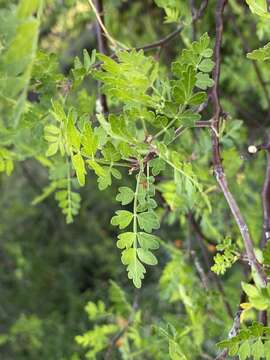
(135, 205)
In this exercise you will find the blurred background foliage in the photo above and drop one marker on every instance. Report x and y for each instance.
(49, 270)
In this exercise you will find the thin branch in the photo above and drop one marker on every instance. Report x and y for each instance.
(218, 168)
(200, 270)
(103, 47)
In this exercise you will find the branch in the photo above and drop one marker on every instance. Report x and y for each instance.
(266, 210)
(217, 164)
(266, 197)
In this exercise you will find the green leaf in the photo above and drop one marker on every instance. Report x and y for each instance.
(119, 128)
(125, 195)
(157, 166)
(89, 140)
(250, 290)
(136, 271)
(148, 241)
(188, 118)
(99, 170)
(259, 7)
(58, 111)
(79, 167)
(206, 65)
(257, 350)
(126, 240)
(110, 153)
(52, 149)
(87, 62)
(122, 218)
(52, 129)
(207, 53)
(179, 95)
(261, 54)
(148, 221)
(204, 81)
(256, 297)
(105, 180)
(73, 135)
(197, 98)
(244, 350)
(189, 80)
(146, 256)
(129, 79)
(233, 348)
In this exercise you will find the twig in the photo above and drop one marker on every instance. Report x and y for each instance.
(218, 168)
(201, 239)
(200, 270)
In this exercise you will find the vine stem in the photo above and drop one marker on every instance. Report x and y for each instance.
(217, 164)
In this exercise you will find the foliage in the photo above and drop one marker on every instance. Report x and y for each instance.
(252, 342)
(123, 141)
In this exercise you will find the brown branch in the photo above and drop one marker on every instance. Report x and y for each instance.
(103, 47)
(217, 164)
